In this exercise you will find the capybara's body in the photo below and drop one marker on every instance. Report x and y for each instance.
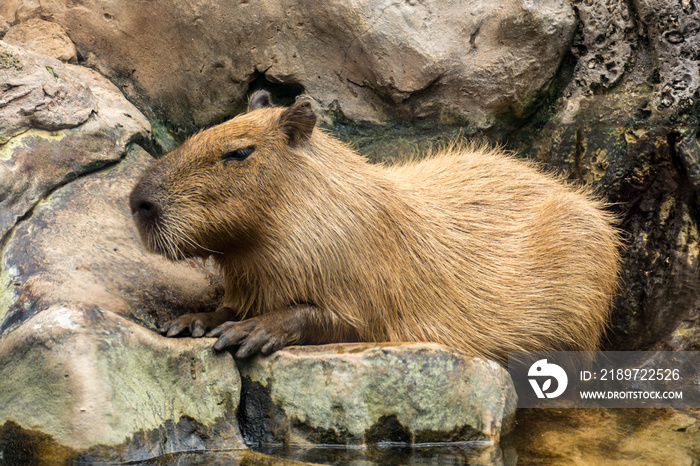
(467, 247)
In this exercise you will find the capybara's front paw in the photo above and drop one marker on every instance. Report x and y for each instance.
(197, 324)
(194, 324)
(251, 336)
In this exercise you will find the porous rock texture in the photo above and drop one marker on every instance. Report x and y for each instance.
(623, 118)
(193, 63)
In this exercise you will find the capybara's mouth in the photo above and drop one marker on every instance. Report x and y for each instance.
(158, 241)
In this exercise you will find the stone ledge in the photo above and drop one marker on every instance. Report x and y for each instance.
(370, 393)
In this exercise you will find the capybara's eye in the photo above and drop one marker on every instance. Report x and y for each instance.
(238, 154)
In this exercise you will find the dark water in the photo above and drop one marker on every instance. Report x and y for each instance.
(541, 436)
(420, 455)
(607, 436)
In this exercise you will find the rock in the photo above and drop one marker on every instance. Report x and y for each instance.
(195, 64)
(608, 47)
(653, 193)
(77, 291)
(4, 26)
(38, 93)
(80, 248)
(606, 42)
(363, 394)
(43, 37)
(57, 121)
(98, 386)
(79, 374)
(608, 128)
(673, 28)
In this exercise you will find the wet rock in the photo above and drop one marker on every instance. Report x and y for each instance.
(57, 121)
(195, 64)
(660, 286)
(618, 124)
(43, 37)
(365, 394)
(647, 171)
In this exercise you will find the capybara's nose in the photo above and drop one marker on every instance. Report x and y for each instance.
(143, 208)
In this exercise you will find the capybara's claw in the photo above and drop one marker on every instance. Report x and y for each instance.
(218, 331)
(196, 325)
(231, 334)
(256, 335)
(197, 329)
(174, 329)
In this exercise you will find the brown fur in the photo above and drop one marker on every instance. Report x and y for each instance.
(469, 247)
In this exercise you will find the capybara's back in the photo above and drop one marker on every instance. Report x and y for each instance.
(512, 259)
(468, 247)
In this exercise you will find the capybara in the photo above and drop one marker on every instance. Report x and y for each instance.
(468, 247)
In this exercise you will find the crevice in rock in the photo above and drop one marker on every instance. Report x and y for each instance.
(430, 86)
(91, 169)
(388, 429)
(283, 93)
(660, 285)
(255, 414)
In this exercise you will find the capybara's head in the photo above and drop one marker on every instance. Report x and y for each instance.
(215, 192)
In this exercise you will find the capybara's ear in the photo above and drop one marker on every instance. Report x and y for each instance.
(298, 122)
(260, 99)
